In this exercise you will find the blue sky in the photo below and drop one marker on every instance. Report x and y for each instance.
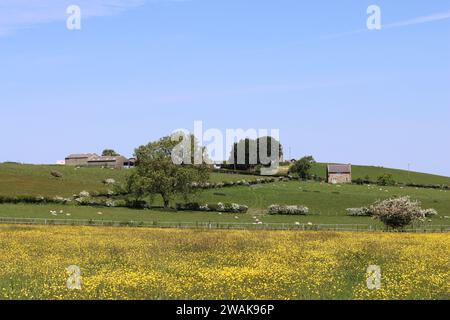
(139, 69)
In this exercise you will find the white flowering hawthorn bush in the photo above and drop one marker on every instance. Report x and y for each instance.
(359, 212)
(398, 212)
(214, 207)
(84, 194)
(288, 210)
(109, 181)
(429, 213)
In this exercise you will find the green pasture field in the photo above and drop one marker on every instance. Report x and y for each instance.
(323, 198)
(327, 204)
(25, 179)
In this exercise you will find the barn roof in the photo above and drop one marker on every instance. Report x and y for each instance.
(105, 159)
(339, 168)
(81, 155)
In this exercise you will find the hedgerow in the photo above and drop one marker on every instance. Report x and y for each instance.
(213, 207)
(288, 210)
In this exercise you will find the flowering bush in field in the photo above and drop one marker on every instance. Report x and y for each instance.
(236, 208)
(397, 212)
(84, 201)
(109, 181)
(359, 212)
(429, 213)
(61, 200)
(219, 207)
(33, 200)
(110, 203)
(102, 202)
(84, 194)
(224, 184)
(288, 210)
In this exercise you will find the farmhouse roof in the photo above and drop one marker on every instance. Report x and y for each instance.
(339, 168)
(81, 155)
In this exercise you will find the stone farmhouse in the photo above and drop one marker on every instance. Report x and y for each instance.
(339, 173)
(94, 160)
(79, 159)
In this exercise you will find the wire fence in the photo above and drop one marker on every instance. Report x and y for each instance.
(224, 225)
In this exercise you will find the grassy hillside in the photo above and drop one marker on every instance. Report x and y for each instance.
(322, 198)
(25, 179)
(327, 204)
(401, 176)
(164, 217)
(18, 179)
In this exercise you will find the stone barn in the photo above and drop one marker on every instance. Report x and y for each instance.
(130, 163)
(117, 162)
(339, 173)
(79, 159)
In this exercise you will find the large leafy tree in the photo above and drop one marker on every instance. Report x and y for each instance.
(386, 180)
(302, 167)
(109, 153)
(157, 174)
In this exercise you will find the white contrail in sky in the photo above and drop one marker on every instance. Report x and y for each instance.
(419, 20)
(415, 21)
